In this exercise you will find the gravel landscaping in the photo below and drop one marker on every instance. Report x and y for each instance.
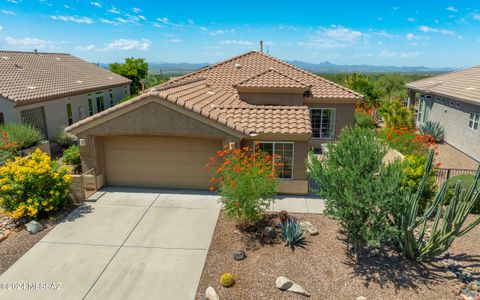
(18, 240)
(326, 269)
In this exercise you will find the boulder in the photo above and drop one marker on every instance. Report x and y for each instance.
(211, 294)
(239, 255)
(34, 227)
(269, 232)
(286, 284)
(309, 227)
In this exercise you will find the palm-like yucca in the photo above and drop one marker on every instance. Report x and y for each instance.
(433, 129)
(447, 224)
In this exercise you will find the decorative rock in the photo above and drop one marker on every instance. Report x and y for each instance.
(239, 255)
(34, 227)
(361, 298)
(269, 232)
(285, 284)
(474, 287)
(236, 231)
(211, 294)
(2, 237)
(309, 227)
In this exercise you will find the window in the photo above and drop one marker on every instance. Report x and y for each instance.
(474, 120)
(90, 105)
(100, 103)
(284, 151)
(424, 108)
(111, 99)
(69, 113)
(323, 123)
(35, 117)
(2, 120)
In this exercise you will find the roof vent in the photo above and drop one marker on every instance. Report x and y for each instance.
(5, 57)
(79, 81)
(238, 66)
(471, 88)
(110, 77)
(211, 92)
(31, 87)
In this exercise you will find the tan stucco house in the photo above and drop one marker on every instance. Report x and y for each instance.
(453, 100)
(164, 137)
(54, 90)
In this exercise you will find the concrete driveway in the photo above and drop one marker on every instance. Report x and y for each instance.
(129, 244)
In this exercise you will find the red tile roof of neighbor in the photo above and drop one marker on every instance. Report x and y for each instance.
(27, 77)
(212, 92)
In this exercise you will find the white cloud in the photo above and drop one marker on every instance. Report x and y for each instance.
(190, 21)
(174, 41)
(411, 36)
(127, 44)
(387, 53)
(435, 30)
(142, 18)
(85, 48)
(66, 6)
(379, 18)
(1, 28)
(452, 8)
(476, 16)
(75, 19)
(108, 22)
(13, 1)
(9, 12)
(385, 34)
(159, 25)
(97, 4)
(113, 10)
(136, 10)
(30, 43)
(217, 32)
(396, 7)
(411, 19)
(335, 36)
(164, 20)
(204, 29)
(236, 42)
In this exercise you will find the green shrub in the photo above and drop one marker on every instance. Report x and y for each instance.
(8, 149)
(364, 120)
(448, 223)
(247, 182)
(433, 129)
(359, 190)
(33, 186)
(24, 135)
(413, 168)
(466, 183)
(65, 139)
(396, 115)
(71, 156)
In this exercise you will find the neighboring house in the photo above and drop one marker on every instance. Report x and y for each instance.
(53, 90)
(164, 137)
(453, 100)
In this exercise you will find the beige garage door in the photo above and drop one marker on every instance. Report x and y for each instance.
(154, 161)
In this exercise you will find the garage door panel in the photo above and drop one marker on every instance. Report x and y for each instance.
(155, 161)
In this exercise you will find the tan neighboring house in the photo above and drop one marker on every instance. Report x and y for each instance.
(453, 100)
(164, 137)
(53, 90)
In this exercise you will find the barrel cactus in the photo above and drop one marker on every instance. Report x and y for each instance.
(447, 223)
(227, 280)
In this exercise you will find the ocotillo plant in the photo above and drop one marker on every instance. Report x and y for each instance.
(447, 223)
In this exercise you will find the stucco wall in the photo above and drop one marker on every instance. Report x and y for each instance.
(56, 111)
(344, 116)
(8, 110)
(455, 122)
(272, 98)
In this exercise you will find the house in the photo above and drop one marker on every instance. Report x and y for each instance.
(54, 90)
(164, 137)
(453, 100)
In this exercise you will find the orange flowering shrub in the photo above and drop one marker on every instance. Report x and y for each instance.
(365, 115)
(407, 141)
(246, 180)
(7, 148)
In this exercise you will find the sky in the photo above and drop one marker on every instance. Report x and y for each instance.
(395, 33)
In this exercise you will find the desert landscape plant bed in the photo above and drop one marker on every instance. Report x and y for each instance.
(327, 269)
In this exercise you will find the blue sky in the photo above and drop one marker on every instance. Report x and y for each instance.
(401, 33)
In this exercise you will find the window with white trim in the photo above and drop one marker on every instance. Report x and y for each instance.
(474, 120)
(69, 113)
(90, 105)
(282, 152)
(323, 123)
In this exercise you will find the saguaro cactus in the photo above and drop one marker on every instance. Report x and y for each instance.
(447, 223)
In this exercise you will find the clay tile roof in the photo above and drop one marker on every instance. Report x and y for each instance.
(462, 85)
(27, 77)
(272, 78)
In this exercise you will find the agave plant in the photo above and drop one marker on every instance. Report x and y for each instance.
(433, 129)
(292, 232)
(447, 223)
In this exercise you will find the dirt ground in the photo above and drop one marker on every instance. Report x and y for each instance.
(328, 270)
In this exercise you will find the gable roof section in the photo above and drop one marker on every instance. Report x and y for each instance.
(28, 77)
(462, 85)
(227, 74)
(272, 78)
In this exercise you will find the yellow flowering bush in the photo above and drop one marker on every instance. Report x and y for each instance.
(33, 186)
(413, 168)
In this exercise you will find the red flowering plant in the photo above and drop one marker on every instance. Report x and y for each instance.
(247, 181)
(407, 141)
(365, 115)
(8, 149)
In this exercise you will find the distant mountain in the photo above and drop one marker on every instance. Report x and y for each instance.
(325, 67)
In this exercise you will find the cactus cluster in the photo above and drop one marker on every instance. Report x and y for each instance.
(447, 223)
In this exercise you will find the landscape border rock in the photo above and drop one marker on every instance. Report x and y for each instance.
(285, 284)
